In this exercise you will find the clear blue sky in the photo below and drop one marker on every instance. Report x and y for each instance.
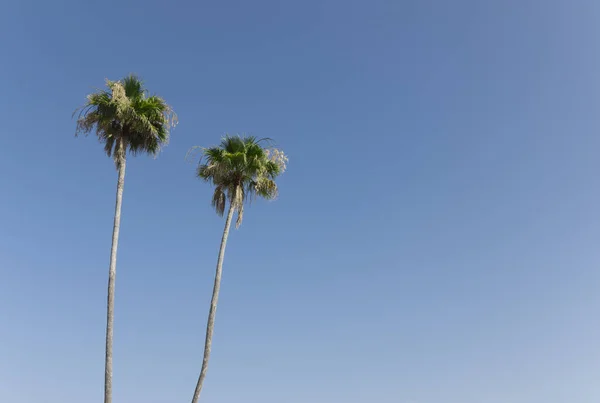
(435, 240)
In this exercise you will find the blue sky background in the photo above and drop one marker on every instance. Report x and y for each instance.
(436, 237)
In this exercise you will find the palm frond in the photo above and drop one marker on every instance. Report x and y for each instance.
(133, 86)
(266, 188)
(123, 114)
(240, 168)
(219, 201)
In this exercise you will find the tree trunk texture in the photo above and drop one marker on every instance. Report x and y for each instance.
(112, 271)
(213, 306)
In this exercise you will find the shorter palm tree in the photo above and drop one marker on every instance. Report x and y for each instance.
(240, 168)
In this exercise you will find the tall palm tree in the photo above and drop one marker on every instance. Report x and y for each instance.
(125, 118)
(239, 169)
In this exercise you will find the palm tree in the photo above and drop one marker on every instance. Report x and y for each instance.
(239, 169)
(124, 118)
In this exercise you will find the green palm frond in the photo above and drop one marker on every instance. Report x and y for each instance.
(240, 168)
(266, 188)
(125, 118)
(134, 87)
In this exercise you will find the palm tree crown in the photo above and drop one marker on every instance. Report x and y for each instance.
(125, 118)
(241, 168)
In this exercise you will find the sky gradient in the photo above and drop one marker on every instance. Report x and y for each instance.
(436, 235)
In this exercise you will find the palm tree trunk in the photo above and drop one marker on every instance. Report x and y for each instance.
(112, 272)
(213, 306)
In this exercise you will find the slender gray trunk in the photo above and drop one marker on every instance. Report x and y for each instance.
(213, 306)
(112, 272)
